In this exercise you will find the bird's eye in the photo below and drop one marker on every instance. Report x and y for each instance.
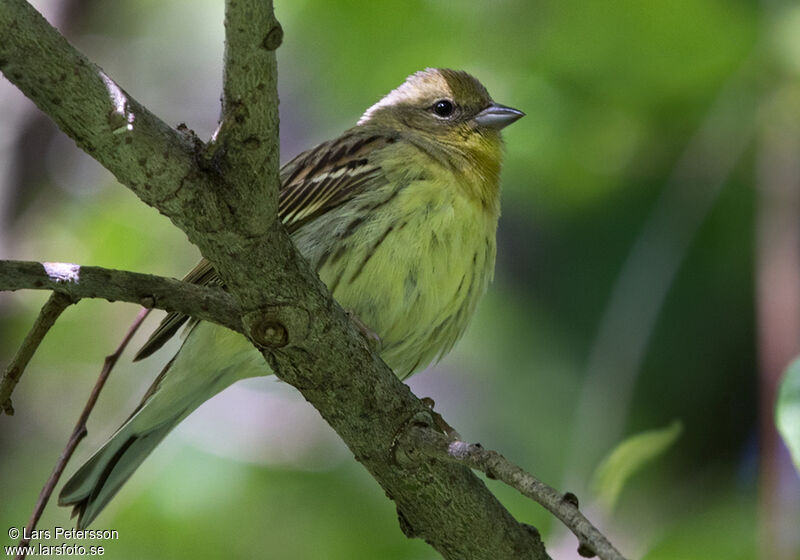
(443, 108)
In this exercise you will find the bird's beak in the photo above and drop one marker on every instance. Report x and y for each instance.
(498, 116)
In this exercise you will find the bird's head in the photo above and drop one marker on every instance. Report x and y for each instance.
(441, 102)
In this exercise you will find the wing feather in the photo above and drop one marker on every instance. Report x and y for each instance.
(311, 184)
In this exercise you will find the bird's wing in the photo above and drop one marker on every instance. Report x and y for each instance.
(311, 184)
(323, 178)
(202, 274)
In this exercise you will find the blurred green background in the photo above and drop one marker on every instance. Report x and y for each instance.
(650, 216)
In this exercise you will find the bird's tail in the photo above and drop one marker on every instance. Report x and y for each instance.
(210, 359)
(101, 477)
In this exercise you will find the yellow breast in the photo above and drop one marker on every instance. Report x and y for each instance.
(413, 269)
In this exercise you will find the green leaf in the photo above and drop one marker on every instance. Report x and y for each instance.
(787, 410)
(628, 458)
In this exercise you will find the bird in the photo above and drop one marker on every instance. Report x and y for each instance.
(398, 217)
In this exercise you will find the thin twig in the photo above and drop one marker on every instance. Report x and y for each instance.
(431, 443)
(50, 312)
(78, 433)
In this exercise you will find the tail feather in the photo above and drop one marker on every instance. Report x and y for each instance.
(101, 477)
(210, 359)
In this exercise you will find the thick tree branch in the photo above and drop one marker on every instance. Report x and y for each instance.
(249, 111)
(143, 152)
(50, 312)
(420, 439)
(77, 282)
(223, 203)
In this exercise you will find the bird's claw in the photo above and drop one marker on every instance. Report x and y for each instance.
(371, 336)
(440, 422)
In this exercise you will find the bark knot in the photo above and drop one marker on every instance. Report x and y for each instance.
(274, 38)
(277, 326)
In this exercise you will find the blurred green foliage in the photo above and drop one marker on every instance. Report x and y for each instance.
(615, 91)
(629, 457)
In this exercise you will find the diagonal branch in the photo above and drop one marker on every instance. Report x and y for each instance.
(50, 312)
(143, 152)
(222, 201)
(420, 439)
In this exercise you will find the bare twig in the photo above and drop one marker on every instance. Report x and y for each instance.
(78, 433)
(421, 439)
(76, 282)
(50, 312)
